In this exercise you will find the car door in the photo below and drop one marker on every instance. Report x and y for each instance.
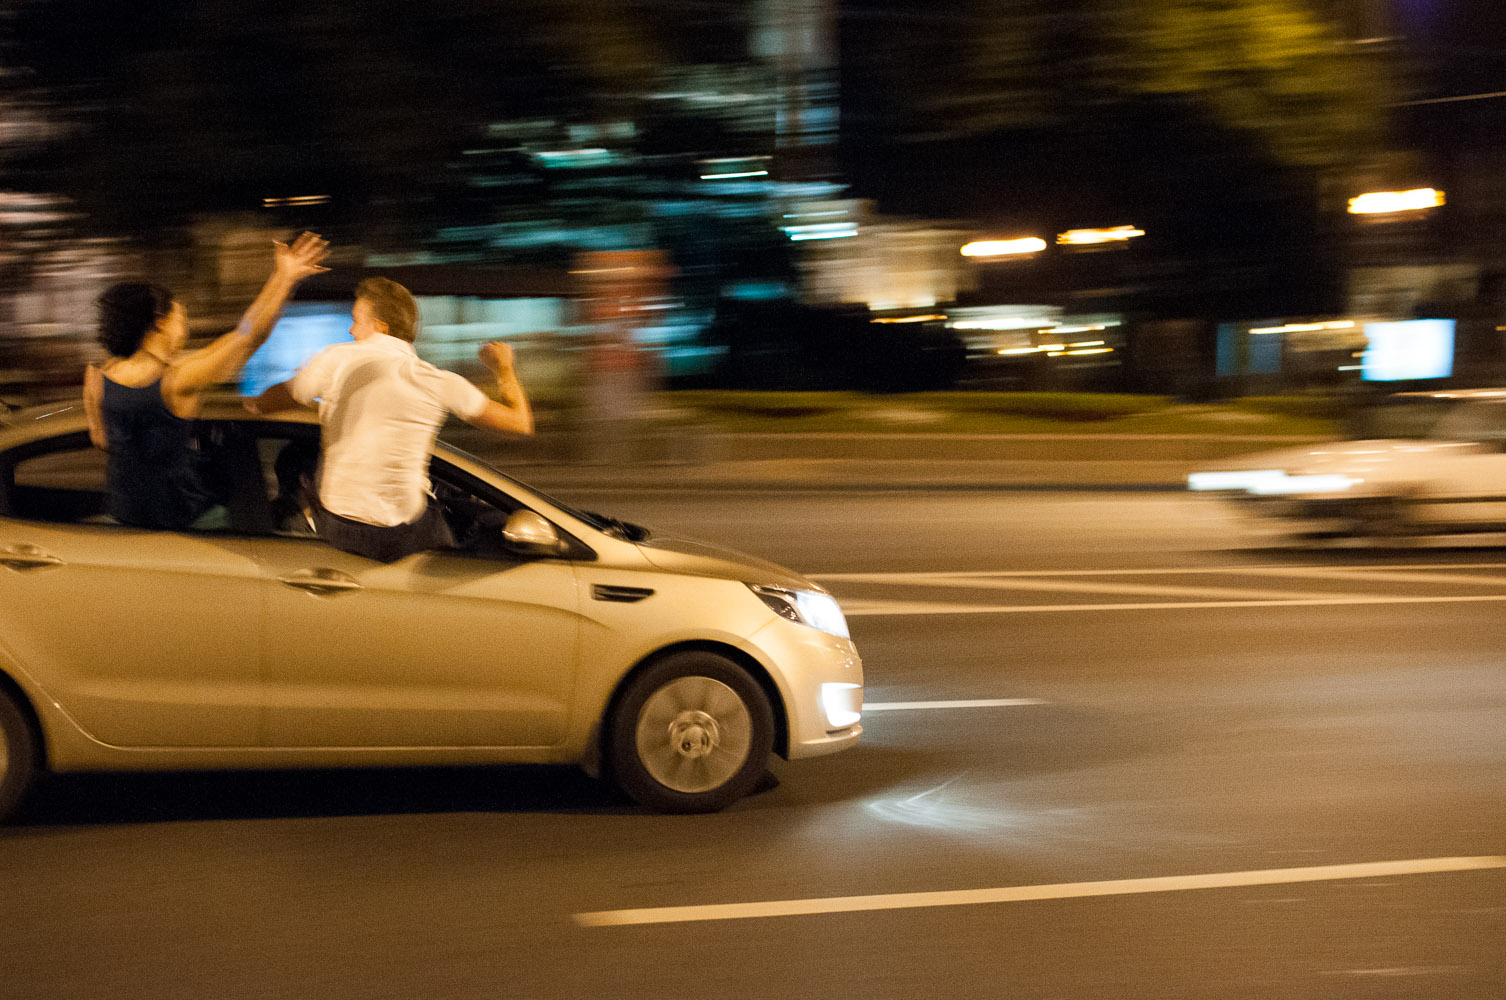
(145, 638)
(441, 649)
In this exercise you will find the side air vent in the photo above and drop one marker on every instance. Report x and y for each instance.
(620, 595)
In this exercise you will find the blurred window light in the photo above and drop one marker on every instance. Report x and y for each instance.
(1387, 202)
(1092, 350)
(295, 200)
(1095, 237)
(1083, 343)
(729, 168)
(909, 319)
(1003, 323)
(1345, 324)
(822, 231)
(574, 158)
(1004, 248)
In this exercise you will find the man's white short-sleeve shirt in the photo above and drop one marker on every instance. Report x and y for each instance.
(380, 408)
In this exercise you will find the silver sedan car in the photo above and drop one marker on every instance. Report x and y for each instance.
(548, 635)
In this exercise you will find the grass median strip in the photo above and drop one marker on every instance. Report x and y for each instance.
(1028, 893)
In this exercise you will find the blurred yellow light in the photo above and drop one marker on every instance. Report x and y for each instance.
(1090, 237)
(1384, 202)
(909, 319)
(1093, 350)
(1088, 343)
(1004, 248)
(1018, 350)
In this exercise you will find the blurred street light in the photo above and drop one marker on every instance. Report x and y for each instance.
(1004, 248)
(1096, 237)
(1390, 202)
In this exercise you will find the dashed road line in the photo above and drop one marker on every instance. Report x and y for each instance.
(860, 608)
(1100, 581)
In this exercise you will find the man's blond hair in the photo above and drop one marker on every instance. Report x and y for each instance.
(392, 304)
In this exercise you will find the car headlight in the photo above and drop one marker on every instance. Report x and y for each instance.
(807, 607)
(1271, 482)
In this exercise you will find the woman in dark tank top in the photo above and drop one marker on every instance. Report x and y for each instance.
(140, 403)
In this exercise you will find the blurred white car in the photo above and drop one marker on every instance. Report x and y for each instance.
(1440, 468)
(550, 635)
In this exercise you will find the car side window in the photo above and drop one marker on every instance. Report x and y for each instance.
(475, 515)
(63, 483)
(64, 480)
(289, 476)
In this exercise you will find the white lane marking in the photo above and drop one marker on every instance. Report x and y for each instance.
(908, 706)
(1024, 893)
(1103, 587)
(861, 608)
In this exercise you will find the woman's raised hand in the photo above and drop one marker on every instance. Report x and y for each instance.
(302, 258)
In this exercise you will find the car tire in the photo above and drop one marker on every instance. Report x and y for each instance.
(690, 733)
(19, 755)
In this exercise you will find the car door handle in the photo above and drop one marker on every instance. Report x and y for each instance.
(24, 557)
(321, 582)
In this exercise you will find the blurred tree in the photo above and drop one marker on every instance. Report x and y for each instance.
(1277, 70)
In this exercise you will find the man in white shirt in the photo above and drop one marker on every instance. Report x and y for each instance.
(380, 409)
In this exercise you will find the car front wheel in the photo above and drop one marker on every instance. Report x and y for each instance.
(18, 756)
(691, 733)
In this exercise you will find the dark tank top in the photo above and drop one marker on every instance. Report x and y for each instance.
(153, 474)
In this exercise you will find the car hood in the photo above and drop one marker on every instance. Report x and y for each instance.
(696, 558)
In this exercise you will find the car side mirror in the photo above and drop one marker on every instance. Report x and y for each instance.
(530, 534)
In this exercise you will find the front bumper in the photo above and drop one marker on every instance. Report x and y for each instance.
(821, 679)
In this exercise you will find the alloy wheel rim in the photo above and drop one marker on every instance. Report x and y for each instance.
(694, 734)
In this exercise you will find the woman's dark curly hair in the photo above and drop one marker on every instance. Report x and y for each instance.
(127, 311)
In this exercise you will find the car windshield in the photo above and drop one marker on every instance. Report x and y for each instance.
(1472, 420)
(601, 522)
(1431, 418)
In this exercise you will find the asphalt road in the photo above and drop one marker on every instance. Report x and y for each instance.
(1169, 759)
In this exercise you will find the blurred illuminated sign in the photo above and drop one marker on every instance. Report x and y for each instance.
(1410, 349)
(305, 329)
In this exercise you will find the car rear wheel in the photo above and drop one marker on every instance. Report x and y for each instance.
(18, 756)
(691, 733)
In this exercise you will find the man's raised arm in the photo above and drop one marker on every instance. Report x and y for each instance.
(510, 412)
